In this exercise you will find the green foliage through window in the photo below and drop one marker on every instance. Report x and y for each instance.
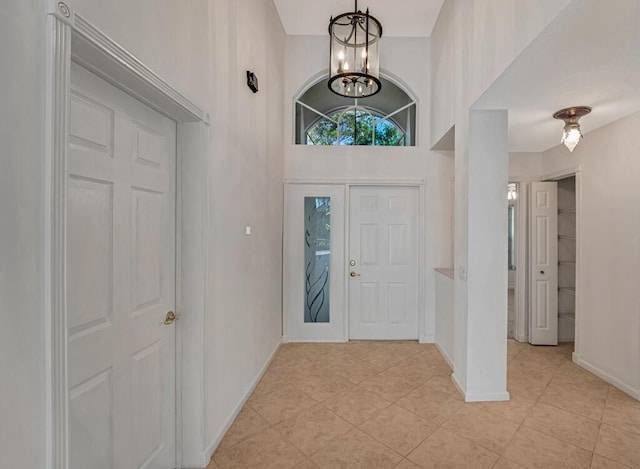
(386, 119)
(355, 126)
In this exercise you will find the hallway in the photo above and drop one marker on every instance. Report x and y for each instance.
(376, 405)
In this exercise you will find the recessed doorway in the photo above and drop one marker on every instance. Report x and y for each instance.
(351, 267)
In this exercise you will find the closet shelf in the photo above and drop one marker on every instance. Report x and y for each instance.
(567, 314)
(567, 263)
(567, 210)
(568, 290)
(571, 237)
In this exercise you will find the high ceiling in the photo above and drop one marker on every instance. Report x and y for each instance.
(589, 56)
(399, 18)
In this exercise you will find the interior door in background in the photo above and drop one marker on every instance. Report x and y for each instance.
(383, 263)
(543, 249)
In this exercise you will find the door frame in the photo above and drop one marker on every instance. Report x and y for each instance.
(72, 37)
(522, 261)
(575, 171)
(420, 185)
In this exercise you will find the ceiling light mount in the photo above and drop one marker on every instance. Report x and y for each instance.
(354, 66)
(571, 134)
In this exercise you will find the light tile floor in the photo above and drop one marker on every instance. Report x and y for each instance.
(376, 405)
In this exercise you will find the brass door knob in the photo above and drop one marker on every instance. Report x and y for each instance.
(354, 274)
(170, 318)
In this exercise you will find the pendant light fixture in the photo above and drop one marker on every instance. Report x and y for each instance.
(354, 67)
(571, 134)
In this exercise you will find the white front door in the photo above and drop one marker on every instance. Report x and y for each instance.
(383, 263)
(121, 279)
(544, 263)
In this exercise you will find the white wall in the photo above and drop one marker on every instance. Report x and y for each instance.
(525, 167)
(444, 314)
(473, 43)
(609, 300)
(171, 38)
(406, 60)
(22, 188)
(244, 323)
(199, 48)
(480, 280)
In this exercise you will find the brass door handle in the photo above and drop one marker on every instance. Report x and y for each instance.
(354, 274)
(170, 318)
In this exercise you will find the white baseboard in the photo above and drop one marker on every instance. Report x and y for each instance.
(444, 354)
(315, 341)
(214, 445)
(635, 393)
(480, 396)
(521, 338)
(487, 396)
(455, 382)
(426, 339)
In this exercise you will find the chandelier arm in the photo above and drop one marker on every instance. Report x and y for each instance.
(353, 31)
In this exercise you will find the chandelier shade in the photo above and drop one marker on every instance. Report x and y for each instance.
(354, 66)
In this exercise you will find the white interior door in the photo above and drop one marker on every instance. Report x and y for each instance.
(383, 258)
(544, 263)
(121, 279)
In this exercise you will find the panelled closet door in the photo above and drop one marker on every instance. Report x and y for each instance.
(120, 279)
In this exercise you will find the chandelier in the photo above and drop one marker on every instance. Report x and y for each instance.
(354, 66)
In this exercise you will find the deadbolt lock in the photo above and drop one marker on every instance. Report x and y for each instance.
(352, 263)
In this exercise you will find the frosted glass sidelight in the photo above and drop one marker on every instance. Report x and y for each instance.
(317, 254)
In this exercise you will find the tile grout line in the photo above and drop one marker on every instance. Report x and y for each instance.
(293, 356)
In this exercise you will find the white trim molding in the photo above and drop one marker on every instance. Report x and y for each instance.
(561, 174)
(72, 37)
(97, 52)
(471, 396)
(358, 182)
(635, 393)
(427, 339)
(61, 11)
(444, 354)
(522, 264)
(58, 63)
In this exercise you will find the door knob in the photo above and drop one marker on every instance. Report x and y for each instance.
(542, 271)
(170, 318)
(354, 274)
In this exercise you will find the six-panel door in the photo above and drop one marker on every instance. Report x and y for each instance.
(383, 257)
(121, 279)
(544, 263)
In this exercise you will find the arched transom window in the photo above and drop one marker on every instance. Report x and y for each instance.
(385, 119)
